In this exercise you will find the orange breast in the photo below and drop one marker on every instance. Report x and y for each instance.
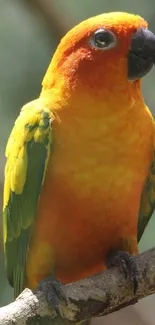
(90, 198)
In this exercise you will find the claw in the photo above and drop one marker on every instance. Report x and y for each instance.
(53, 291)
(127, 262)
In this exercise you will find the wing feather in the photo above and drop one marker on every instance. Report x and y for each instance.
(27, 152)
(147, 204)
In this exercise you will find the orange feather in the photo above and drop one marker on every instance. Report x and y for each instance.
(90, 199)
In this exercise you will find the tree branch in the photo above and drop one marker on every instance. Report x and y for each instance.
(56, 22)
(98, 295)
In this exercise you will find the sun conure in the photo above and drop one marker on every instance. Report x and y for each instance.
(80, 166)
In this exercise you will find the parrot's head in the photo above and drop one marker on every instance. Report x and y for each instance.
(101, 52)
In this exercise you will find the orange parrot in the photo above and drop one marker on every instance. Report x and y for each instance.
(80, 158)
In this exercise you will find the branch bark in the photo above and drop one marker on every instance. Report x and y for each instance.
(98, 295)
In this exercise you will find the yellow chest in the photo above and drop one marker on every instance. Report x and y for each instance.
(102, 155)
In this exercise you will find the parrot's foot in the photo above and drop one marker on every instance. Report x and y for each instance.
(128, 264)
(54, 293)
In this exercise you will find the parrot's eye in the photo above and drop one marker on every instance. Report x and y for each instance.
(103, 39)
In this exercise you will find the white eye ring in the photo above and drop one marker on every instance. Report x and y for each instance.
(103, 39)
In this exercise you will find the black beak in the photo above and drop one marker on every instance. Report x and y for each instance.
(141, 56)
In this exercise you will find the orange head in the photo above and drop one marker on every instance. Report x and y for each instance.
(98, 53)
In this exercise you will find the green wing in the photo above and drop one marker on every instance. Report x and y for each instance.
(147, 204)
(27, 152)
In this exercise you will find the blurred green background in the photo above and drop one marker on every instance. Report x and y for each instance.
(29, 33)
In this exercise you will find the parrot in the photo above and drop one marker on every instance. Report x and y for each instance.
(79, 186)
